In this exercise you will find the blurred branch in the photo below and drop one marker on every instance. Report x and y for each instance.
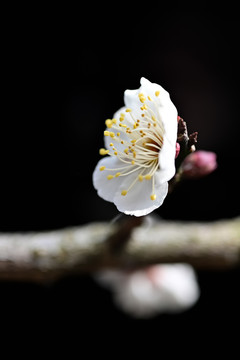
(129, 243)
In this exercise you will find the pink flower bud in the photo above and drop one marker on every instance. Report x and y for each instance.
(199, 164)
(177, 150)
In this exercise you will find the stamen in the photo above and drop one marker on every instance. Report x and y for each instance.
(153, 195)
(108, 123)
(137, 142)
(109, 177)
(141, 97)
(103, 152)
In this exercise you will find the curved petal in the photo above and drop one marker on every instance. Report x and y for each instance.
(107, 188)
(162, 104)
(166, 161)
(150, 88)
(168, 114)
(137, 201)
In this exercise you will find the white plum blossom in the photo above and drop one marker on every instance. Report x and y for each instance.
(140, 144)
(153, 290)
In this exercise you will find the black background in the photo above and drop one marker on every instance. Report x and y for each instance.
(64, 73)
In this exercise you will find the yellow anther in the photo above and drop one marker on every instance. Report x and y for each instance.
(132, 162)
(153, 197)
(111, 144)
(157, 93)
(115, 153)
(103, 152)
(102, 168)
(112, 134)
(122, 117)
(123, 125)
(154, 118)
(149, 98)
(117, 174)
(108, 123)
(135, 125)
(106, 133)
(128, 110)
(148, 177)
(133, 141)
(124, 192)
(114, 121)
(140, 177)
(144, 107)
(109, 177)
(118, 134)
(142, 115)
(126, 151)
(141, 97)
(134, 154)
(122, 142)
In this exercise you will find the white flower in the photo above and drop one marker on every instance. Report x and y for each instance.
(153, 290)
(140, 143)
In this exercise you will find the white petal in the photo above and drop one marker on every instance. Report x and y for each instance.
(137, 201)
(179, 283)
(157, 289)
(150, 88)
(166, 108)
(131, 99)
(168, 114)
(166, 162)
(107, 188)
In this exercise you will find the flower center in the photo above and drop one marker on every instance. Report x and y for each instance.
(136, 138)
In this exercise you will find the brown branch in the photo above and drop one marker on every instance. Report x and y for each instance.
(46, 256)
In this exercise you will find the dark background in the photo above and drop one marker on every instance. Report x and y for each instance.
(64, 73)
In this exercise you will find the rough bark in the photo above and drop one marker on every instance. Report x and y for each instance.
(128, 243)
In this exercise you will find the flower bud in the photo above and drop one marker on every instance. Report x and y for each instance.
(199, 164)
